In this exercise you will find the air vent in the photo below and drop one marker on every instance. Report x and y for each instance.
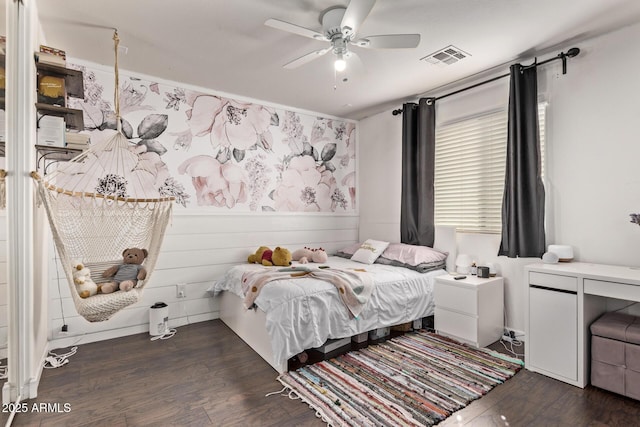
(446, 56)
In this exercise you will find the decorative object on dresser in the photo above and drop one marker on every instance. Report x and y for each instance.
(492, 269)
(564, 252)
(483, 272)
(416, 379)
(469, 309)
(463, 264)
(550, 258)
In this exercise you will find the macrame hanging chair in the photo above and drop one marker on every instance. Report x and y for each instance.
(101, 202)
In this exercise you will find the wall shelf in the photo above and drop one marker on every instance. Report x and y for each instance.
(47, 155)
(73, 80)
(73, 86)
(73, 118)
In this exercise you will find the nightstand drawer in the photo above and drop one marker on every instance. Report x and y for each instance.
(456, 325)
(457, 298)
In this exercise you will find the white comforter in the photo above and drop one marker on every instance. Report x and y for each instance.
(304, 313)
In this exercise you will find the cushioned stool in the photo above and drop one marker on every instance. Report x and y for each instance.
(615, 354)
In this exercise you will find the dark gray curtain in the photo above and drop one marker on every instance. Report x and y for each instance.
(523, 200)
(418, 156)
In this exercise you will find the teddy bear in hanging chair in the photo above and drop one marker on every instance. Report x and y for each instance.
(125, 276)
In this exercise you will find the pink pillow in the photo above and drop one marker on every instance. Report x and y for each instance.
(350, 250)
(412, 254)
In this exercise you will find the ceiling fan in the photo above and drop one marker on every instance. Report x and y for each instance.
(339, 27)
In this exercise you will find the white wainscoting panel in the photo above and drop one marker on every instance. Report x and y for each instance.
(197, 250)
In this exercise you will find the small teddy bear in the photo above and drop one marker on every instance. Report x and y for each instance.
(85, 286)
(126, 275)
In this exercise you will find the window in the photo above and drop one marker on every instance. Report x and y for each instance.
(469, 171)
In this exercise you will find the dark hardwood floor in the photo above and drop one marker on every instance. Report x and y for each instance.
(205, 375)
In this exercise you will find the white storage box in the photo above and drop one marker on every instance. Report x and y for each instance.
(360, 338)
(417, 324)
(331, 345)
(379, 333)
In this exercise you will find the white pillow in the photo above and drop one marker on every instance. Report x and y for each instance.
(369, 251)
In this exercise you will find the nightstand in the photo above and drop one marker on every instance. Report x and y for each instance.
(470, 310)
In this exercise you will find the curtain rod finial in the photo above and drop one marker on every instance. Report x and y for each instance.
(574, 51)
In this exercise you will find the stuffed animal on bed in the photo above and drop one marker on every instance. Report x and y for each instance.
(265, 256)
(126, 275)
(256, 258)
(306, 255)
(280, 257)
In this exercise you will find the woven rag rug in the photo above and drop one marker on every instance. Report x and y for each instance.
(418, 379)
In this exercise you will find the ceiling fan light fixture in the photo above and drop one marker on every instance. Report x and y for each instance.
(340, 25)
(340, 64)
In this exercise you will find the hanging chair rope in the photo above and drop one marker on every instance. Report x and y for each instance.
(116, 95)
(101, 202)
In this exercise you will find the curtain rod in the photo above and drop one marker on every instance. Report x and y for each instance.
(574, 51)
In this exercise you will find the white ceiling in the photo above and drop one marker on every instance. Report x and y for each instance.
(225, 46)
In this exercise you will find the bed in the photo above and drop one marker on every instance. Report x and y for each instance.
(297, 314)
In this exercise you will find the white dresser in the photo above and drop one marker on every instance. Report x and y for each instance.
(562, 301)
(469, 310)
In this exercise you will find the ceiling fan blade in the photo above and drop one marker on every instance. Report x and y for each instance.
(389, 41)
(354, 16)
(306, 58)
(295, 29)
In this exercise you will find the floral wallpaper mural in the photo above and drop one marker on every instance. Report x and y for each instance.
(228, 155)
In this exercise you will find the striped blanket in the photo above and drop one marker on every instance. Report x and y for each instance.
(354, 286)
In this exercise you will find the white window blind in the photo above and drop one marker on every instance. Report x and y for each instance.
(470, 161)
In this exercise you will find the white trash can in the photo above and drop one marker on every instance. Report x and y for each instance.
(158, 319)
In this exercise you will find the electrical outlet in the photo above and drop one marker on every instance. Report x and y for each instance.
(181, 290)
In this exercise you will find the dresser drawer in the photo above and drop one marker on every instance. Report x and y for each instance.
(554, 281)
(457, 298)
(456, 325)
